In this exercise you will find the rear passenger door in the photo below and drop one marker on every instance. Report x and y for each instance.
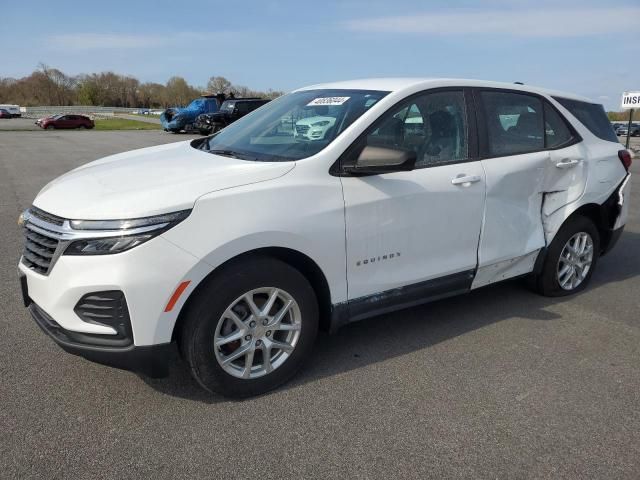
(63, 122)
(527, 150)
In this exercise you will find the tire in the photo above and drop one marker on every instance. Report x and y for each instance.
(50, 127)
(206, 319)
(548, 281)
(82, 127)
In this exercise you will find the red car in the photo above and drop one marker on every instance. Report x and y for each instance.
(65, 121)
(5, 113)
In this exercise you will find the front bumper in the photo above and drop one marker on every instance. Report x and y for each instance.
(152, 361)
(147, 275)
(202, 125)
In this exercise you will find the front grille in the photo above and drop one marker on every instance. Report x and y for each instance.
(302, 129)
(41, 241)
(46, 217)
(39, 251)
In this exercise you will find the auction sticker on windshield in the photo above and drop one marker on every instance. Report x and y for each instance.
(328, 101)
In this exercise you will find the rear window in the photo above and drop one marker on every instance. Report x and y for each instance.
(592, 116)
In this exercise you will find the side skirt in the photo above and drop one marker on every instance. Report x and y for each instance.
(514, 267)
(399, 298)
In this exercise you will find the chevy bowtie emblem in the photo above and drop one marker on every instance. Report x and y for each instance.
(21, 219)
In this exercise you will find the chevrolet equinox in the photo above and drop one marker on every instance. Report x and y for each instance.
(331, 204)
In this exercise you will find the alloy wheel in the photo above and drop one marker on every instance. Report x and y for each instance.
(257, 333)
(575, 261)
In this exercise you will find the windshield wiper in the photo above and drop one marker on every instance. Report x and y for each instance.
(226, 153)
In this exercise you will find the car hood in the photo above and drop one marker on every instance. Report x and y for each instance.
(149, 181)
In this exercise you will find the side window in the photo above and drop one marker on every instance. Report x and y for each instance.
(433, 125)
(592, 116)
(243, 107)
(514, 122)
(556, 131)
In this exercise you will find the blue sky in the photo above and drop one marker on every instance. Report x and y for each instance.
(586, 47)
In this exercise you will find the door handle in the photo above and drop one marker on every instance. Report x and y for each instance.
(567, 163)
(465, 180)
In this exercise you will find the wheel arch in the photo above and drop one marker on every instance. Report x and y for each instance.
(298, 260)
(603, 217)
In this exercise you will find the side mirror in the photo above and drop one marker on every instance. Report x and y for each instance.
(376, 160)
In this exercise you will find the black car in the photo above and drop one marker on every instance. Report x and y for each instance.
(230, 111)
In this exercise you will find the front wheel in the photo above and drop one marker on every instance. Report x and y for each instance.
(250, 328)
(50, 127)
(571, 259)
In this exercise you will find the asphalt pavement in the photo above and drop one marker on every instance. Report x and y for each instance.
(499, 383)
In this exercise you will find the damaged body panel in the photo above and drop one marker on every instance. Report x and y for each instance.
(177, 119)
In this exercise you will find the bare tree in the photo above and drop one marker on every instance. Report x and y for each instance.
(50, 86)
(179, 93)
(219, 85)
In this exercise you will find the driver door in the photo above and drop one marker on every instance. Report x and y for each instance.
(416, 232)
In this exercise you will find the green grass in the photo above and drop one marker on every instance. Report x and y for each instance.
(124, 124)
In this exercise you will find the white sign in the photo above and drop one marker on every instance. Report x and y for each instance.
(630, 100)
(327, 101)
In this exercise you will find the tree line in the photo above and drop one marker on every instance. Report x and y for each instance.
(51, 86)
(623, 116)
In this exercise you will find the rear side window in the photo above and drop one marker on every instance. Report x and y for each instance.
(556, 130)
(514, 122)
(592, 116)
(243, 107)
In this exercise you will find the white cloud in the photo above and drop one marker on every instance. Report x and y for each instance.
(542, 22)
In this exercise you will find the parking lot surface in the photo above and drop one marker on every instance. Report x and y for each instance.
(18, 124)
(500, 383)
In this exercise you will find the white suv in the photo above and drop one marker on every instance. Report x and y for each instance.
(241, 245)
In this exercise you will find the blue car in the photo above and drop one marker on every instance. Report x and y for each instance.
(178, 119)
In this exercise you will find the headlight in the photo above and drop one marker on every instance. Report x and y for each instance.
(322, 123)
(103, 237)
(105, 246)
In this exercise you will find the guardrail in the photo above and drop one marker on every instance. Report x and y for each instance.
(37, 112)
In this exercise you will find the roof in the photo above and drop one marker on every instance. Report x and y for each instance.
(398, 84)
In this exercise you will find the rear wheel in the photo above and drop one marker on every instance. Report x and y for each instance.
(250, 328)
(571, 259)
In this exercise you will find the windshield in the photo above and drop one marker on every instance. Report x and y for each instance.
(228, 106)
(195, 104)
(292, 127)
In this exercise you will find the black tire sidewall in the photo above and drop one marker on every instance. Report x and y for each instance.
(217, 295)
(548, 281)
